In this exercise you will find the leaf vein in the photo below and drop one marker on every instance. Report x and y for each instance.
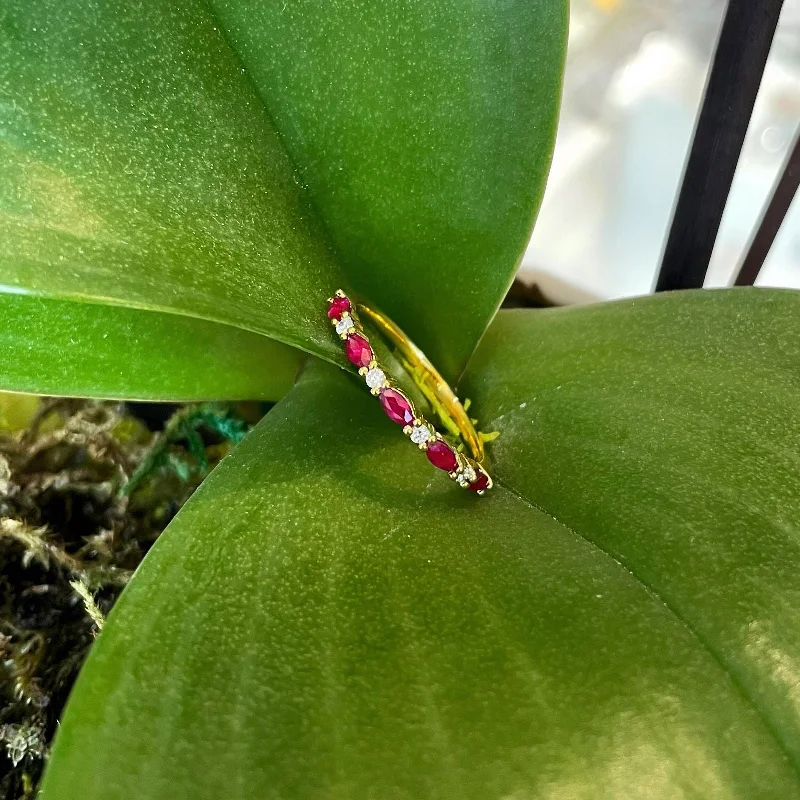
(717, 657)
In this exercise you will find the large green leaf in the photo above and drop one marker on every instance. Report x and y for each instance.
(138, 166)
(64, 347)
(423, 131)
(329, 618)
(138, 163)
(666, 431)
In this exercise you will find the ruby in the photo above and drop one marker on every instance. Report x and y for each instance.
(338, 306)
(480, 484)
(358, 350)
(441, 455)
(397, 408)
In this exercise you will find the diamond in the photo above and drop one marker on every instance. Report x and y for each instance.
(338, 306)
(441, 455)
(375, 378)
(466, 476)
(420, 434)
(344, 324)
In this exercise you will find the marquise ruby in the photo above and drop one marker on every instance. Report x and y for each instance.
(358, 350)
(480, 484)
(441, 455)
(338, 306)
(397, 408)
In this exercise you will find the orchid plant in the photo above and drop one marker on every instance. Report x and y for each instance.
(183, 184)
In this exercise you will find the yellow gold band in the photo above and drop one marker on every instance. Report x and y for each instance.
(426, 375)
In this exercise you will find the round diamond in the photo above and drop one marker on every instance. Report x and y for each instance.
(376, 378)
(420, 434)
(344, 324)
(466, 476)
(441, 455)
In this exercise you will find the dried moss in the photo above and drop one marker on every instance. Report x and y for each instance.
(85, 490)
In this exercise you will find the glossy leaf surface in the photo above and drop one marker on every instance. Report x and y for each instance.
(665, 430)
(67, 348)
(330, 617)
(138, 166)
(423, 131)
(139, 163)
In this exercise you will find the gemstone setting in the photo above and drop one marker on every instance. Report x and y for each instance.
(344, 325)
(442, 456)
(420, 434)
(480, 484)
(338, 305)
(397, 407)
(466, 476)
(376, 378)
(358, 351)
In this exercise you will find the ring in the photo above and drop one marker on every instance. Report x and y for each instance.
(468, 471)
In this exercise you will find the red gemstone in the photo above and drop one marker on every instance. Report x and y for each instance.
(397, 408)
(480, 484)
(338, 306)
(441, 455)
(358, 350)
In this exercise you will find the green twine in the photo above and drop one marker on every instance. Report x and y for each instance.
(185, 425)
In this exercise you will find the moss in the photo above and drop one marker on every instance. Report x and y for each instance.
(85, 490)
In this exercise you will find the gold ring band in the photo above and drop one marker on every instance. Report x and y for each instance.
(431, 378)
(469, 471)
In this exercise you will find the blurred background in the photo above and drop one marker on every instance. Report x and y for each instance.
(634, 82)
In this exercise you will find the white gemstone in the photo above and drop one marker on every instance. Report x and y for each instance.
(344, 324)
(466, 476)
(420, 434)
(376, 378)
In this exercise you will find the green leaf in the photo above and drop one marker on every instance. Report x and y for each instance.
(423, 131)
(76, 349)
(666, 431)
(138, 166)
(330, 617)
(138, 163)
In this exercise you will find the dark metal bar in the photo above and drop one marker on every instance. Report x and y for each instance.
(772, 218)
(735, 76)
